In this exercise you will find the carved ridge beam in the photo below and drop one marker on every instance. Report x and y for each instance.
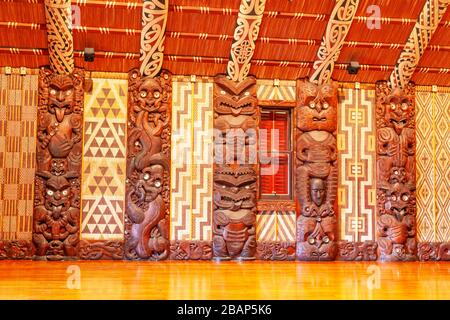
(415, 46)
(58, 14)
(337, 29)
(245, 35)
(154, 21)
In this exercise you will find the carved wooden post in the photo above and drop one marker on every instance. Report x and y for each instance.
(148, 159)
(316, 170)
(396, 204)
(236, 117)
(57, 192)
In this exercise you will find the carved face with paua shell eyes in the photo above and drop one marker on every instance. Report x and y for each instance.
(234, 189)
(61, 96)
(58, 196)
(398, 108)
(399, 200)
(233, 98)
(150, 95)
(317, 106)
(150, 183)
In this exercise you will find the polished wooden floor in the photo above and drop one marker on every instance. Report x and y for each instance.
(229, 280)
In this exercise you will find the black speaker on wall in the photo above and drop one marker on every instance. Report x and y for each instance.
(89, 54)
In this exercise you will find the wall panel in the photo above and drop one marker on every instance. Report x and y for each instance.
(104, 161)
(18, 109)
(433, 166)
(191, 169)
(356, 158)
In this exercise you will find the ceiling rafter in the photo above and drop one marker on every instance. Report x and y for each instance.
(245, 35)
(58, 15)
(333, 40)
(427, 23)
(154, 21)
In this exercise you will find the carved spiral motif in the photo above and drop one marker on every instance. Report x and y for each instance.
(154, 20)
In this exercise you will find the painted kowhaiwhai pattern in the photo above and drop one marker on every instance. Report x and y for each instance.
(18, 108)
(104, 161)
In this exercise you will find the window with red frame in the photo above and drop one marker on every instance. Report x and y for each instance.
(275, 154)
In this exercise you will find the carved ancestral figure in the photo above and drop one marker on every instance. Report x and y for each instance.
(57, 192)
(147, 233)
(396, 209)
(234, 212)
(56, 222)
(316, 170)
(235, 119)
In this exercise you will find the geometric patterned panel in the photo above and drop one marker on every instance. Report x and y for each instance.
(284, 91)
(356, 159)
(425, 181)
(442, 160)
(433, 166)
(191, 161)
(18, 107)
(275, 226)
(104, 161)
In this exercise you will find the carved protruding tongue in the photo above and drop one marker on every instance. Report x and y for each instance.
(59, 113)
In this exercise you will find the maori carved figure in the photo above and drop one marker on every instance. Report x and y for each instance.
(316, 170)
(396, 204)
(59, 149)
(147, 195)
(236, 118)
(234, 213)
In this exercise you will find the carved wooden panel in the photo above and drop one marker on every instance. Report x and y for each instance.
(396, 177)
(236, 117)
(16, 249)
(190, 250)
(101, 250)
(56, 220)
(316, 170)
(433, 251)
(148, 159)
(275, 250)
(357, 251)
